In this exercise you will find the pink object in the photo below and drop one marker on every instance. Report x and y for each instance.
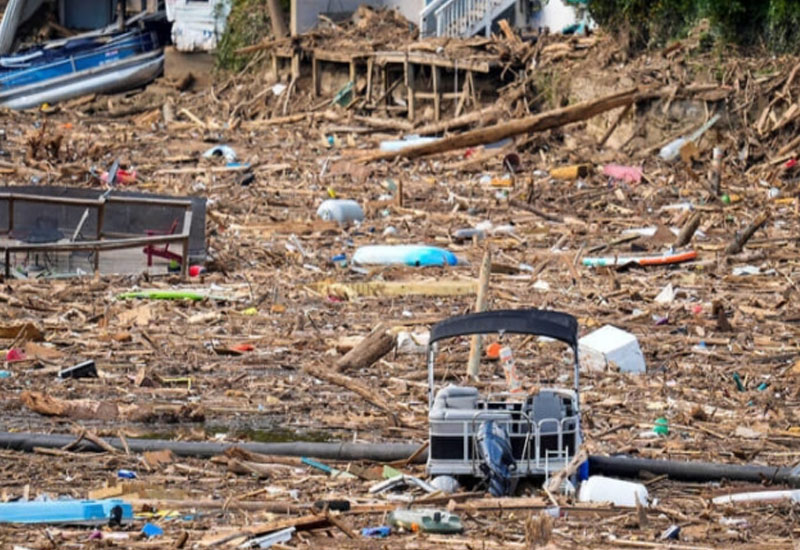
(15, 354)
(791, 163)
(697, 309)
(631, 174)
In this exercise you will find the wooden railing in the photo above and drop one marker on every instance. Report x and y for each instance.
(99, 244)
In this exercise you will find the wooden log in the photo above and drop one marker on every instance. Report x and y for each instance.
(716, 171)
(741, 239)
(375, 345)
(613, 126)
(302, 522)
(533, 210)
(688, 229)
(483, 116)
(249, 456)
(535, 123)
(480, 305)
(789, 147)
(506, 503)
(279, 29)
(444, 287)
(554, 485)
(384, 123)
(324, 373)
(342, 525)
(275, 507)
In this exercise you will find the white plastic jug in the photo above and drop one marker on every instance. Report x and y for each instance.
(340, 210)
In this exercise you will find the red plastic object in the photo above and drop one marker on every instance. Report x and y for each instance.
(791, 163)
(124, 177)
(243, 347)
(161, 251)
(195, 270)
(15, 354)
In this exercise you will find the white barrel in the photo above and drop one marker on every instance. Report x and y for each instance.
(615, 491)
(340, 210)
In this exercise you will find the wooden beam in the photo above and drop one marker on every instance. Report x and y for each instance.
(421, 58)
(409, 74)
(315, 74)
(536, 123)
(398, 288)
(276, 17)
(372, 347)
(688, 229)
(324, 373)
(480, 305)
(370, 69)
(741, 239)
(437, 99)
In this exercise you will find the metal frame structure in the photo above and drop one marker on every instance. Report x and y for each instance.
(540, 445)
(99, 244)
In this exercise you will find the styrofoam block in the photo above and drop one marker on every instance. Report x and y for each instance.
(611, 347)
(617, 492)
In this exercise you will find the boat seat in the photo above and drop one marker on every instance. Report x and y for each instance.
(456, 397)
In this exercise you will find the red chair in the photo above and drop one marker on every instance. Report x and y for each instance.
(161, 251)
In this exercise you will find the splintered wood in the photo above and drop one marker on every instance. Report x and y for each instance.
(285, 339)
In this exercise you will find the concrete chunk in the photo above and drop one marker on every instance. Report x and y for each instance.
(611, 347)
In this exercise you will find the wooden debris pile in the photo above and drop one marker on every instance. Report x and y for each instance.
(294, 342)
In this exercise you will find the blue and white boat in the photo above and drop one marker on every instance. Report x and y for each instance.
(71, 68)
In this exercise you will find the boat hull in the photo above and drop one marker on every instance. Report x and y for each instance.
(122, 75)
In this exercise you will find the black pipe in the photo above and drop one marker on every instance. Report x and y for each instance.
(620, 465)
(379, 452)
(627, 466)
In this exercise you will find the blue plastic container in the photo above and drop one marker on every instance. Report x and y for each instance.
(64, 511)
(404, 254)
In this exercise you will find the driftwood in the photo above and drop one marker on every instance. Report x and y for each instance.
(741, 239)
(535, 123)
(276, 18)
(688, 230)
(480, 305)
(85, 409)
(324, 373)
(533, 210)
(375, 345)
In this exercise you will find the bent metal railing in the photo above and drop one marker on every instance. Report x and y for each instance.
(99, 244)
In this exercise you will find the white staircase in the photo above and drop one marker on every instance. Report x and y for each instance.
(461, 18)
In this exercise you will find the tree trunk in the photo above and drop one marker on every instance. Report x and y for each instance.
(276, 17)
